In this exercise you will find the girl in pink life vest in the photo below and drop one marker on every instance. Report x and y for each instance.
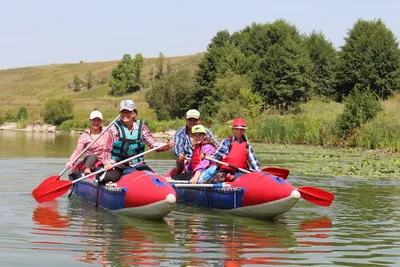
(196, 165)
(201, 145)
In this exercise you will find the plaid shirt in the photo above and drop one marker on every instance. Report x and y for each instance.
(101, 148)
(183, 144)
(147, 138)
(223, 150)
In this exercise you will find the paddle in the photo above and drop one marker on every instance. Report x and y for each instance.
(316, 196)
(55, 189)
(279, 172)
(311, 194)
(198, 185)
(57, 177)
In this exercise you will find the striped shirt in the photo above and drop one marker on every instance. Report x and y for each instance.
(101, 148)
(184, 146)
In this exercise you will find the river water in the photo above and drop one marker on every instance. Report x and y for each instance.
(360, 228)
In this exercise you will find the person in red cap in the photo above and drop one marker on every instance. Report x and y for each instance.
(236, 151)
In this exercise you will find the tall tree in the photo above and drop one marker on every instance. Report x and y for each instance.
(160, 65)
(151, 73)
(370, 57)
(255, 39)
(324, 59)
(283, 75)
(208, 71)
(123, 79)
(77, 83)
(137, 68)
(89, 82)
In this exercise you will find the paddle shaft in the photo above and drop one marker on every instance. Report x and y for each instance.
(86, 148)
(227, 164)
(199, 185)
(120, 163)
(282, 173)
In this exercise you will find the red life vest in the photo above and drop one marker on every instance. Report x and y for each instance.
(237, 156)
(196, 159)
(196, 156)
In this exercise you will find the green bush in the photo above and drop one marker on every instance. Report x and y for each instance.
(10, 115)
(21, 124)
(57, 111)
(22, 113)
(360, 107)
(2, 117)
(163, 126)
(76, 125)
(172, 95)
(379, 134)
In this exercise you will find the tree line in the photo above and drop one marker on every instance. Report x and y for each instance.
(266, 68)
(272, 67)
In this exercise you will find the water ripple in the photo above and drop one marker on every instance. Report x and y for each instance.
(361, 228)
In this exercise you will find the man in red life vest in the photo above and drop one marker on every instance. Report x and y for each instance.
(236, 151)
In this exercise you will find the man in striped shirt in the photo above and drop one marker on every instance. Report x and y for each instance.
(183, 148)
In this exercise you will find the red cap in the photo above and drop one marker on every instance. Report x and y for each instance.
(239, 124)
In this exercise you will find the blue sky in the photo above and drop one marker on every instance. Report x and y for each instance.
(39, 32)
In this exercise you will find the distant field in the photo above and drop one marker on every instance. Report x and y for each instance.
(32, 86)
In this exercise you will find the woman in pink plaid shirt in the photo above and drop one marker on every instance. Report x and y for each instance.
(99, 151)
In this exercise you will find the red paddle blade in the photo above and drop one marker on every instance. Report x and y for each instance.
(279, 172)
(51, 191)
(49, 180)
(317, 196)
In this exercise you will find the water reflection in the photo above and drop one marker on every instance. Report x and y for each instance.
(361, 228)
(185, 238)
(99, 235)
(29, 144)
(47, 215)
(209, 239)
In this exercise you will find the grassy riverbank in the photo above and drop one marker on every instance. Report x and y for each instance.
(315, 125)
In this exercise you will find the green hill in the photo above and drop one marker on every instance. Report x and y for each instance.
(32, 86)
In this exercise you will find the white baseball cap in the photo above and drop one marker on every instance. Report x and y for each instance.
(96, 114)
(128, 105)
(192, 113)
